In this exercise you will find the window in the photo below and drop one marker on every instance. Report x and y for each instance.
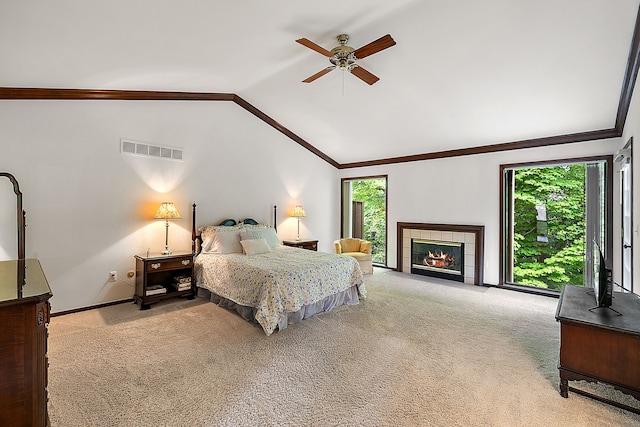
(552, 215)
(624, 158)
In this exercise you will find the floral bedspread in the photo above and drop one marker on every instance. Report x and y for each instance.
(278, 282)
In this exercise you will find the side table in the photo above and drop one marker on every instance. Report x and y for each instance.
(159, 277)
(311, 245)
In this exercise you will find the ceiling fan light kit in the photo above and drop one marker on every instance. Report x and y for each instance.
(345, 58)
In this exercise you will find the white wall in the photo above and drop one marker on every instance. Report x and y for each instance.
(90, 208)
(462, 190)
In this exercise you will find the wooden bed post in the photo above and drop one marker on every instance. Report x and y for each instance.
(193, 229)
(275, 223)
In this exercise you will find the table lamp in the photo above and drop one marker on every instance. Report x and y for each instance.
(167, 211)
(298, 212)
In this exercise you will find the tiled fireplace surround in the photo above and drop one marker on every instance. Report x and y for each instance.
(471, 235)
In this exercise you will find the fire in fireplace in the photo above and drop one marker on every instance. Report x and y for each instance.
(438, 259)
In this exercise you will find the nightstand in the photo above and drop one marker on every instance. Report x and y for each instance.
(311, 245)
(159, 277)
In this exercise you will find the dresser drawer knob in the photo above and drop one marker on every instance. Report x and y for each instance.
(185, 262)
(155, 265)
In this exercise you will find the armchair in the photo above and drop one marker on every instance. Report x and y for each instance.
(357, 248)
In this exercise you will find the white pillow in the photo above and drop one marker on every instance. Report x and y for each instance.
(207, 233)
(223, 242)
(255, 246)
(268, 234)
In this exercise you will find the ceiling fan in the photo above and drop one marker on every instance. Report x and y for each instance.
(346, 58)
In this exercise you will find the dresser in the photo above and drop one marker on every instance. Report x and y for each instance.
(24, 318)
(599, 344)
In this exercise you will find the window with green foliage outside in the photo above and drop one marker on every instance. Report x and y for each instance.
(555, 214)
(549, 226)
(364, 213)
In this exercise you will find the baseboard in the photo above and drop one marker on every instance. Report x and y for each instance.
(91, 307)
(531, 290)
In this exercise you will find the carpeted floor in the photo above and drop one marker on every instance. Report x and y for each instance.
(417, 352)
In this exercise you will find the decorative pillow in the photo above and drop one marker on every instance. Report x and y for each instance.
(254, 226)
(255, 246)
(268, 234)
(209, 228)
(223, 242)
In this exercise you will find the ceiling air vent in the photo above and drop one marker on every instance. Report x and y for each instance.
(148, 150)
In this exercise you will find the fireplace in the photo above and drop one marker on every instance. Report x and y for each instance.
(470, 238)
(438, 258)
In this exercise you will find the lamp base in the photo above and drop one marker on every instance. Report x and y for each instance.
(166, 239)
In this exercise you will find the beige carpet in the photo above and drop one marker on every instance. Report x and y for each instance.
(417, 352)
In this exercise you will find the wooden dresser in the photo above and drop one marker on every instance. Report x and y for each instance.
(24, 317)
(599, 344)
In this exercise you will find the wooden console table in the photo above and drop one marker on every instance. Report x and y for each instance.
(599, 345)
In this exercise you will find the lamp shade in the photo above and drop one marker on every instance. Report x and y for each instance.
(298, 212)
(167, 210)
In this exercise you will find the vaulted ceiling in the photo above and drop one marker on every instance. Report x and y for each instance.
(463, 75)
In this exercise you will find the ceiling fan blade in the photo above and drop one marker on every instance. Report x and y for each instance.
(364, 75)
(311, 45)
(376, 46)
(318, 74)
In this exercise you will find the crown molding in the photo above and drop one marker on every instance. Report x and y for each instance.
(265, 118)
(494, 148)
(630, 77)
(9, 93)
(108, 94)
(141, 95)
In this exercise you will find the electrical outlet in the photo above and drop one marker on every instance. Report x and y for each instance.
(113, 276)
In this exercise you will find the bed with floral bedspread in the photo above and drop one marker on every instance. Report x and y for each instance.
(281, 286)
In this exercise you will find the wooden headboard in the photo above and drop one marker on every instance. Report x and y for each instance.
(196, 240)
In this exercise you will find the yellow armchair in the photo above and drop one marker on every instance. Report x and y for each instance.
(357, 248)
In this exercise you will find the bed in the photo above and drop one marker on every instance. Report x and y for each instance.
(241, 265)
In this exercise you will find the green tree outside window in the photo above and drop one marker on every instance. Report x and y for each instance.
(549, 226)
(372, 192)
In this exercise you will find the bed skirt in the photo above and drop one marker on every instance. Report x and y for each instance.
(349, 297)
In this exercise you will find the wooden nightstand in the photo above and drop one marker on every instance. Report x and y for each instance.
(311, 245)
(158, 277)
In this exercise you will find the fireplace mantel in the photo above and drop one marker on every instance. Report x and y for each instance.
(457, 231)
